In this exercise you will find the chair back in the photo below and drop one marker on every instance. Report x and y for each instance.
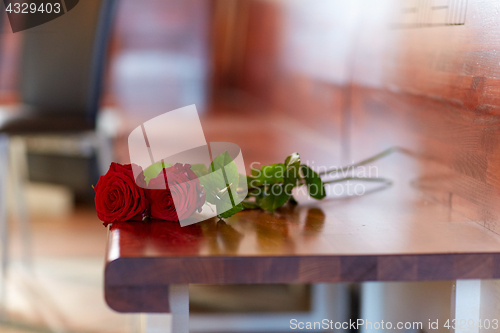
(62, 62)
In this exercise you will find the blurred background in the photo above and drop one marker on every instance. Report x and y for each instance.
(307, 70)
(244, 61)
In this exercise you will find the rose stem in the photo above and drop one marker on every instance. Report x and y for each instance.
(378, 180)
(363, 162)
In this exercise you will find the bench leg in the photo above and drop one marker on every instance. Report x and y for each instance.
(466, 306)
(476, 306)
(177, 321)
(4, 224)
(476, 302)
(19, 175)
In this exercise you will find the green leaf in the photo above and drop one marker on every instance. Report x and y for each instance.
(250, 205)
(315, 185)
(257, 192)
(274, 197)
(242, 181)
(252, 183)
(292, 160)
(270, 174)
(214, 181)
(154, 170)
(292, 165)
(225, 214)
(221, 184)
(242, 184)
(225, 162)
(199, 170)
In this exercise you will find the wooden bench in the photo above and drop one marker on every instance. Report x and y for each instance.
(393, 234)
(424, 83)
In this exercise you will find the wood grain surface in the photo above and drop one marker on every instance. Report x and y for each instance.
(434, 90)
(378, 78)
(423, 75)
(387, 234)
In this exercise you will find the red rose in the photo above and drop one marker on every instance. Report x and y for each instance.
(182, 197)
(117, 197)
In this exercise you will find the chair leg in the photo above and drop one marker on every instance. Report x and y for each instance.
(19, 172)
(4, 226)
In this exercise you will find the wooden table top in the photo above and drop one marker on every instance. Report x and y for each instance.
(398, 221)
(431, 88)
(388, 234)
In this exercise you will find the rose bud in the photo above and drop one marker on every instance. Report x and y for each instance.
(117, 197)
(175, 194)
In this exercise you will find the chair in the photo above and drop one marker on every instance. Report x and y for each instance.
(60, 86)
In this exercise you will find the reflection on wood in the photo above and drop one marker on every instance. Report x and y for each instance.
(436, 93)
(432, 90)
(394, 234)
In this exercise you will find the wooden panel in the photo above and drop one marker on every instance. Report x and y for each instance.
(141, 285)
(434, 90)
(146, 299)
(276, 54)
(423, 75)
(162, 271)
